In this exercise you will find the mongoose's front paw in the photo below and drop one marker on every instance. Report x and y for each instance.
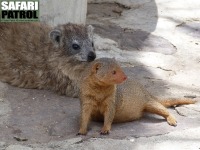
(82, 132)
(171, 120)
(104, 131)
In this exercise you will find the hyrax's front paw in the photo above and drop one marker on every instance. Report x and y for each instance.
(171, 120)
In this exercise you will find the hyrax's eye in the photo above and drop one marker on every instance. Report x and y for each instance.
(75, 46)
(92, 44)
(113, 72)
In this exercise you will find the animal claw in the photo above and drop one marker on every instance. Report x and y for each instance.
(106, 132)
(80, 134)
(172, 121)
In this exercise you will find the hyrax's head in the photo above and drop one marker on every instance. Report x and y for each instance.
(107, 71)
(74, 40)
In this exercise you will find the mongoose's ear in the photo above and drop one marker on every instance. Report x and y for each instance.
(55, 36)
(96, 67)
(90, 30)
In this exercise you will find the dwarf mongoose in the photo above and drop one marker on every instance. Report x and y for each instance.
(102, 100)
(34, 55)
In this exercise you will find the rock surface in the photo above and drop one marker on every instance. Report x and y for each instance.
(158, 43)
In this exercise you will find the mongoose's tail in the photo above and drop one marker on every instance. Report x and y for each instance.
(175, 101)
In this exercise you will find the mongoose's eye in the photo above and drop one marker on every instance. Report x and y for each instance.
(76, 46)
(114, 72)
(92, 44)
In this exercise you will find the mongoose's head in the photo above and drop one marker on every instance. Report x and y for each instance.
(74, 40)
(107, 71)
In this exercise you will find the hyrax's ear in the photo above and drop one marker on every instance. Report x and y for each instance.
(55, 36)
(96, 67)
(90, 30)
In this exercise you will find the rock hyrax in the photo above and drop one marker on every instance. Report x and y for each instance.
(34, 55)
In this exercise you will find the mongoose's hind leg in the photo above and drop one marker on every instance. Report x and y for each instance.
(159, 109)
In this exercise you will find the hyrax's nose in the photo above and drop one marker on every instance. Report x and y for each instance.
(91, 56)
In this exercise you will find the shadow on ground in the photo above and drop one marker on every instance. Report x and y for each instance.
(135, 40)
(120, 23)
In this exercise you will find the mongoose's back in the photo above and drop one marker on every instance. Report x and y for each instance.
(131, 99)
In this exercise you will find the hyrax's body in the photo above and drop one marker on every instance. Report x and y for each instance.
(102, 100)
(34, 55)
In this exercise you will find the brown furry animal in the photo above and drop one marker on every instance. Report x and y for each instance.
(34, 55)
(102, 100)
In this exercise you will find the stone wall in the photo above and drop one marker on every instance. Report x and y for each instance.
(55, 12)
(130, 3)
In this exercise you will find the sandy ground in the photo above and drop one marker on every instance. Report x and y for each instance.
(157, 42)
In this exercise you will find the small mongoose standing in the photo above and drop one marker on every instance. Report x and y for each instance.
(34, 55)
(103, 100)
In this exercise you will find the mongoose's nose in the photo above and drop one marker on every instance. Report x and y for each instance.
(91, 56)
(125, 77)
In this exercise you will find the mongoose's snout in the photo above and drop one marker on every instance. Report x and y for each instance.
(124, 77)
(120, 76)
(91, 56)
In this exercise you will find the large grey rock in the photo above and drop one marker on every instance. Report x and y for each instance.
(139, 15)
(5, 109)
(2, 145)
(152, 56)
(192, 111)
(63, 11)
(136, 40)
(191, 29)
(179, 140)
(129, 3)
(18, 147)
(103, 144)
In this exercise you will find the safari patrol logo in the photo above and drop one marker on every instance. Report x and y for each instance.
(19, 10)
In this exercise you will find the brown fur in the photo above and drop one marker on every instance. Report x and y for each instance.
(34, 55)
(102, 100)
